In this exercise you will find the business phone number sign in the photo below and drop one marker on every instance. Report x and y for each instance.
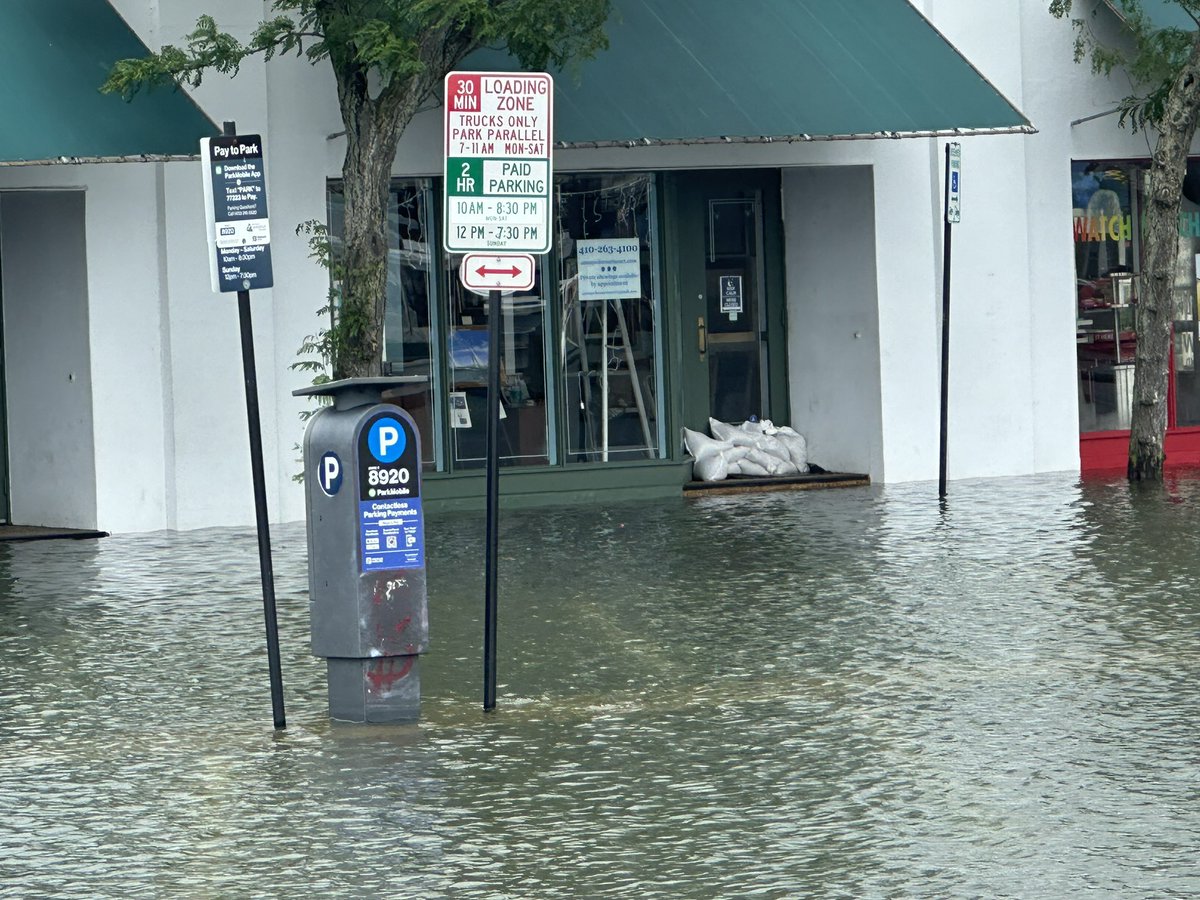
(499, 170)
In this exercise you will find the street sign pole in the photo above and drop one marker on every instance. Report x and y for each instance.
(490, 600)
(265, 568)
(497, 184)
(245, 265)
(953, 189)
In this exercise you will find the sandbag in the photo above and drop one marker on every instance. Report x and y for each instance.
(768, 462)
(731, 434)
(700, 445)
(713, 458)
(710, 467)
(722, 431)
(748, 435)
(750, 467)
(756, 448)
(796, 447)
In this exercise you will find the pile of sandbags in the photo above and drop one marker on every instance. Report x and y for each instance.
(752, 448)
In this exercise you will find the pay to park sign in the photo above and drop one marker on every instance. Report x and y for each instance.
(498, 161)
(235, 203)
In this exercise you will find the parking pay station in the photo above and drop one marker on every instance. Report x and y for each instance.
(366, 551)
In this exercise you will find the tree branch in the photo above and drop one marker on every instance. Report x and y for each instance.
(208, 48)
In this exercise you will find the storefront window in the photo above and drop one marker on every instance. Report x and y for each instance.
(1108, 226)
(525, 413)
(1187, 283)
(408, 322)
(608, 317)
(1105, 201)
(580, 353)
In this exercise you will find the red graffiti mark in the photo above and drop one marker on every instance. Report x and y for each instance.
(403, 623)
(383, 674)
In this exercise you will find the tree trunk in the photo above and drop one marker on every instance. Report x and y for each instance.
(373, 129)
(1155, 309)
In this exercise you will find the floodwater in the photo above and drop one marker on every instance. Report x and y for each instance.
(840, 694)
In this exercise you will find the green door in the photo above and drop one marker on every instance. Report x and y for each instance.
(729, 245)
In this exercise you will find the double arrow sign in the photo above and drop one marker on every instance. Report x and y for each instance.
(508, 272)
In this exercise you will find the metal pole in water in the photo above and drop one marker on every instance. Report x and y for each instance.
(493, 502)
(945, 412)
(260, 497)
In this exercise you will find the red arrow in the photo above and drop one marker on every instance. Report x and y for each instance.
(485, 271)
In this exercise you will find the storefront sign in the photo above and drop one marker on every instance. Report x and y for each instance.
(235, 205)
(498, 171)
(731, 294)
(609, 269)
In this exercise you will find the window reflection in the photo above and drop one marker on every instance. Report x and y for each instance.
(523, 397)
(408, 321)
(1105, 199)
(1109, 210)
(608, 317)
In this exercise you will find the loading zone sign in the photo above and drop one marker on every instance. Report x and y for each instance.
(235, 206)
(498, 161)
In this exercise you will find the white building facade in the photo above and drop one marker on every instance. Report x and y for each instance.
(122, 369)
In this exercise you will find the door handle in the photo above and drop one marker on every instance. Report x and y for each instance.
(701, 336)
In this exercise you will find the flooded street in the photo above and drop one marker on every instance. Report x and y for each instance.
(837, 693)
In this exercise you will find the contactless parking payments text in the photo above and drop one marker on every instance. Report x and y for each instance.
(391, 533)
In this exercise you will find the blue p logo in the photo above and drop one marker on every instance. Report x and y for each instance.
(329, 473)
(386, 440)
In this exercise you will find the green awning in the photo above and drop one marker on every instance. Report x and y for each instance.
(710, 70)
(54, 55)
(1161, 14)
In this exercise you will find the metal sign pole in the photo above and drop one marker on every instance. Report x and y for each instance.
(499, 176)
(260, 510)
(260, 498)
(493, 502)
(951, 215)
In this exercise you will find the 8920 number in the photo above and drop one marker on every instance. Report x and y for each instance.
(378, 476)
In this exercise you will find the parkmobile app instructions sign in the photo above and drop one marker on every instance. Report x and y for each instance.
(498, 161)
(235, 206)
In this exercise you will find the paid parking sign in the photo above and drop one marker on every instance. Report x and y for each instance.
(235, 205)
(498, 161)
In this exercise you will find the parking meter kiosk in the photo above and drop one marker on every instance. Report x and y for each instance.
(366, 550)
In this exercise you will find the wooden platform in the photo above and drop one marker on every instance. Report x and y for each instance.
(744, 484)
(41, 533)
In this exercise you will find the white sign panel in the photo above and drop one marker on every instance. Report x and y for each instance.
(460, 413)
(954, 185)
(483, 272)
(609, 269)
(498, 174)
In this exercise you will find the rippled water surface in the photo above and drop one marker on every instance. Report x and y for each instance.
(842, 693)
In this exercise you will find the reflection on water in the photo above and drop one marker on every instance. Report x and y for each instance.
(844, 693)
